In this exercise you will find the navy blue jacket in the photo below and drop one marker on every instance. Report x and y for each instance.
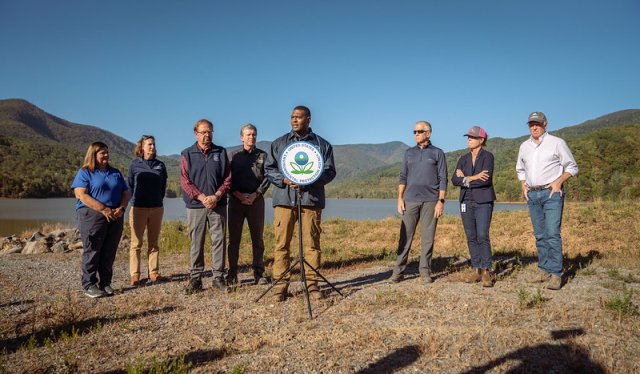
(207, 172)
(478, 191)
(313, 194)
(148, 182)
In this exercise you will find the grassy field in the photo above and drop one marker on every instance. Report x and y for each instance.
(591, 325)
(610, 230)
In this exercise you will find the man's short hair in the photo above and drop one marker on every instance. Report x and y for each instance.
(249, 126)
(306, 110)
(426, 123)
(203, 120)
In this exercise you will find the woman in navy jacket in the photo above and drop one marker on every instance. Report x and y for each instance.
(474, 176)
(147, 180)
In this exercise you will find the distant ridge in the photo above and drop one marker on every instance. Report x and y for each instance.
(22, 120)
(40, 153)
(606, 149)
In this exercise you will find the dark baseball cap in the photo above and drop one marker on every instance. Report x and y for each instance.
(537, 117)
(477, 132)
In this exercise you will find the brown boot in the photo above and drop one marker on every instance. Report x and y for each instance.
(540, 276)
(157, 278)
(135, 280)
(314, 291)
(473, 277)
(555, 283)
(487, 278)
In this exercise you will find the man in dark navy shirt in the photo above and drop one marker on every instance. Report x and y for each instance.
(423, 185)
(246, 201)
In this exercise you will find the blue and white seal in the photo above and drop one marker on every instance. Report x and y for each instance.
(301, 163)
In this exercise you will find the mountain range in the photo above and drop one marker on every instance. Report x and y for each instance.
(605, 149)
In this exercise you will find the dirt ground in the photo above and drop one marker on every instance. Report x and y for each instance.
(48, 325)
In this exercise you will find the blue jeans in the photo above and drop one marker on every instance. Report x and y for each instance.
(546, 218)
(476, 219)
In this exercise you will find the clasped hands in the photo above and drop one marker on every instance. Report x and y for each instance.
(210, 201)
(246, 198)
(112, 214)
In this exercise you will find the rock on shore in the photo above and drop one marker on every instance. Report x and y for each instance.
(57, 241)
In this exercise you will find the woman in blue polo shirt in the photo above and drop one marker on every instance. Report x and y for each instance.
(102, 197)
(474, 176)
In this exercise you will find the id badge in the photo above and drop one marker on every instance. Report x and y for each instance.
(463, 208)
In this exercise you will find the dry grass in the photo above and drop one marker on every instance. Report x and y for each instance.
(591, 325)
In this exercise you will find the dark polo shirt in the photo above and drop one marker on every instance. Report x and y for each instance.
(247, 171)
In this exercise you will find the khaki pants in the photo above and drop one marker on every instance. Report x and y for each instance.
(151, 220)
(284, 223)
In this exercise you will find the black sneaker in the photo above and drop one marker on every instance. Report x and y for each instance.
(195, 285)
(108, 290)
(232, 280)
(94, 292)
(220, 284)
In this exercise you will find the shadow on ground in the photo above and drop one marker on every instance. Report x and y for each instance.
(567, 357)
(38, 338)
(173, 363)
(394, 361)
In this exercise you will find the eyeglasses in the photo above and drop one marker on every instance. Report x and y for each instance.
(419, 131)
(204, 132)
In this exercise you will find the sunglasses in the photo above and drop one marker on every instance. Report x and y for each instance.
(419, 131)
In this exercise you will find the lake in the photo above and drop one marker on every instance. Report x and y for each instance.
(17, 215)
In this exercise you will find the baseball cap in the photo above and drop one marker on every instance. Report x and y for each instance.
(477, 132)
(537, 117)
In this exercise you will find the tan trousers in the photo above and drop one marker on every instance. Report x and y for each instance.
(151, 220)
(284, 223)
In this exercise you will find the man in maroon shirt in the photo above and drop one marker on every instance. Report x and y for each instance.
(205, 178)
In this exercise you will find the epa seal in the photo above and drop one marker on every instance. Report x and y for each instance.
(301, 163)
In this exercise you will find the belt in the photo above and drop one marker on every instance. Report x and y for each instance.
(538, 188)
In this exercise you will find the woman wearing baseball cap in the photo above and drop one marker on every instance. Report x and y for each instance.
(474, 176)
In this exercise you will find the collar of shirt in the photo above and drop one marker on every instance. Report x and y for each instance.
(540, 139)
(294, 136)
(205, 151)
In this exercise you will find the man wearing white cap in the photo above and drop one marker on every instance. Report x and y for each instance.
(544, 164)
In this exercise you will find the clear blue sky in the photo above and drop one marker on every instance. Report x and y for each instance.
(367, 69)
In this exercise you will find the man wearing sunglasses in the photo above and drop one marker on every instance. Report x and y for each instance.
(421, 193)
(544, 164)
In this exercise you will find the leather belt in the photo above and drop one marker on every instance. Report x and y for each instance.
(538, 188)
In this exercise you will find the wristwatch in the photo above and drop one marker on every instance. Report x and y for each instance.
(442, 201)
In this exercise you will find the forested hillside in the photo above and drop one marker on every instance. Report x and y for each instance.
(40, 154)
(606, 149)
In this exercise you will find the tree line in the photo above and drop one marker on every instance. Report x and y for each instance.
(609, 161)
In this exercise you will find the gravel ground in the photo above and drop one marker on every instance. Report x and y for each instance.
(48, 325)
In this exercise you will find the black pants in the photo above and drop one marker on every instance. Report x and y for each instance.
(100, 240)
(254, 214)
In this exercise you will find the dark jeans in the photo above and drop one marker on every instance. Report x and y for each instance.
(476, 219)
(254, 214)
(546, 217)
(100, 240)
